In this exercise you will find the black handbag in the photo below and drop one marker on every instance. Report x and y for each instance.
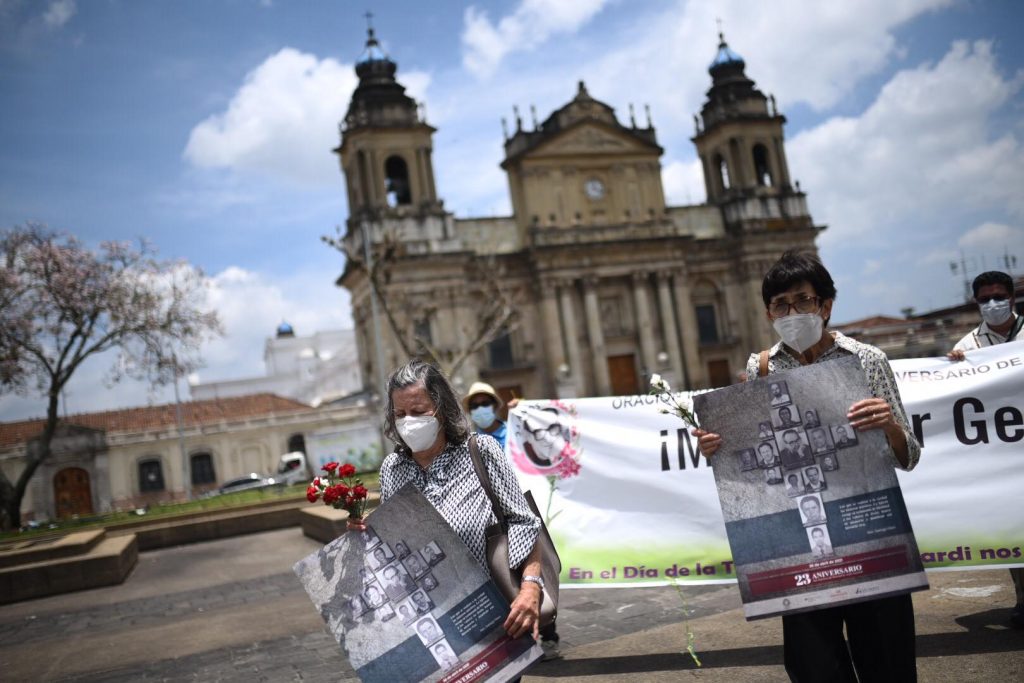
(508, 580)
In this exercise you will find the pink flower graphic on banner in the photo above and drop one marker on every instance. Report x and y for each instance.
(546, 439)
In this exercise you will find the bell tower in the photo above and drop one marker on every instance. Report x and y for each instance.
(386, 144)
(739, 135)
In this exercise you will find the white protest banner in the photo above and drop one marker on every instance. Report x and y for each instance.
(629, 500)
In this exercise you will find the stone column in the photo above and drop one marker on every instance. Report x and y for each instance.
(572, 342)
(668, 325)
(643, 323)
(688, 332)
(552, 333)
(599, 354)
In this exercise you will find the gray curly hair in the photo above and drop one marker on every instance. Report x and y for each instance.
(448, 408)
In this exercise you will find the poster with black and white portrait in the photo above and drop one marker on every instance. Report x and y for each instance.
(377, 605)
(828, 535)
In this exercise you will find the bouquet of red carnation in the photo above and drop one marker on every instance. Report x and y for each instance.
(340, 489)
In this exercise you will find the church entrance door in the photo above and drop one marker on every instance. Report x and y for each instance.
(622, 370)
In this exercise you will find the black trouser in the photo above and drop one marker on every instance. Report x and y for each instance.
(549, 633)
(881, 643)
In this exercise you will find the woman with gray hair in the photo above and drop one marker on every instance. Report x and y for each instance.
(424, 418)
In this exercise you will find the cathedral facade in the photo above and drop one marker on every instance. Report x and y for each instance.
(601, 284)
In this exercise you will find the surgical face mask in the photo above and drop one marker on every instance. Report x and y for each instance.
(482, 416)
(418, 432)
(995, 312)
(800, 331)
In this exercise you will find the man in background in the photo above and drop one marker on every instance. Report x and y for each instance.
(994, 294)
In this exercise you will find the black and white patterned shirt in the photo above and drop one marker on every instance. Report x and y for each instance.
(876, 367)
(452, 487)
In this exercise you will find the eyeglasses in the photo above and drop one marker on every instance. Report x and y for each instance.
(480, 404)
(806, 304)
(986, 299)
(552, 429)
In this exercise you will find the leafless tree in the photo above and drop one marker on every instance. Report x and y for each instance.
(497, 312)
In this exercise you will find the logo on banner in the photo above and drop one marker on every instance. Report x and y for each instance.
(548, 439)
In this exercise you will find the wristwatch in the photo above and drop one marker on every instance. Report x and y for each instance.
(534, 579)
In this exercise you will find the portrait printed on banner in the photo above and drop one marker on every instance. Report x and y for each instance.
(357, 606)
(764, 430)
(779, 393)
(386, 612)
(793, 449)
(432, 553)
(821, 544)
(767, 455)
(795, 483)
(442, 653)
(406, 612)
(773, 475)
(815, 482)
(748, 461)
(421, 601)
(428, 582)
(821, 440)
(844, 436)
(829, 462)
(374, 596)
(380, 556)
(428, 630)
(401, 550)
(369, 537)
(812, 510)
(811, 419)
(415, 564)
(396, 581)
(786, 417)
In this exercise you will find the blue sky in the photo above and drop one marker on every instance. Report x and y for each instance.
(206, 128)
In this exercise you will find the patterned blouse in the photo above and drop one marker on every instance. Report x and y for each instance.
(876, 366)
(452, 487)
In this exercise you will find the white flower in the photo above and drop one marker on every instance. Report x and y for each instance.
(658, 383)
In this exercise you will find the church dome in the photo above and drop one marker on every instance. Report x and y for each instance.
(285, 330)
(725, 56)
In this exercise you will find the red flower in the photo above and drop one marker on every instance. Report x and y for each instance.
(312, 494)
(330, 467)
(347, 470)
(349, 502)
(359, 491)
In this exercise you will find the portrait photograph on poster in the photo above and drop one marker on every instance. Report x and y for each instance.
(377, 606)
(827, 536)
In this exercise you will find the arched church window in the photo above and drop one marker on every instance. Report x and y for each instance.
(762, 171)
(201, 466)
(396, 182)
(706, 306)
(151, 475)
(723, 171)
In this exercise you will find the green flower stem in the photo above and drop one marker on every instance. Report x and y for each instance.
(690, 647)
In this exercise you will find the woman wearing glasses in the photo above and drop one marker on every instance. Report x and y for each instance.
(424, 418)
(798, 294)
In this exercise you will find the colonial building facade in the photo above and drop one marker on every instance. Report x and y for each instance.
(610, 283)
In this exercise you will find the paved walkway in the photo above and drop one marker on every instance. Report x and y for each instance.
(231, 610)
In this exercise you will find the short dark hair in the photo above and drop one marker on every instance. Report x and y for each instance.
(791, 269)
(447, 405)
(993, 277)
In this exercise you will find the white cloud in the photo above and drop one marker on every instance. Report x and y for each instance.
(683, 183)
(920, 152)
(992, 238)
(59, 13)
(485, 44)
(283, 120)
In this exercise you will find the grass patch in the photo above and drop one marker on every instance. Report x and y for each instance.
(371, 480)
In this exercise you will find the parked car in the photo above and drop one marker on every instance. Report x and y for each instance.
(244, 483)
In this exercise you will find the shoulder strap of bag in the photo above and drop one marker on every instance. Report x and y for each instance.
(1015, 330)
(485, 480)
(762, 364)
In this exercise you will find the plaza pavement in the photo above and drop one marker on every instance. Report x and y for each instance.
(231, 610)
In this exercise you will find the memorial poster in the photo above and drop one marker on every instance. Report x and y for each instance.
(813, 510)
(407, 602)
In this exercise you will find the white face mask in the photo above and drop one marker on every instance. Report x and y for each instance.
(995, 312)
(418, 432)
(800, 331)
